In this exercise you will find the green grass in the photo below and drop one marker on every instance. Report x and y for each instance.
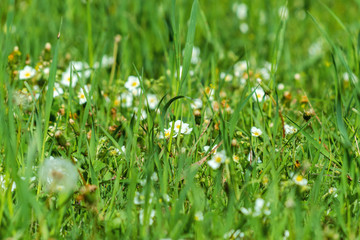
(131, 183)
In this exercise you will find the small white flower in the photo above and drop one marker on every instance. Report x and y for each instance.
(151, 219)
(143, 114)
(154, 177)
(167, 133)
(199, 216)
(256, 132)
(66, 77)
(300, 180)
(181, 127)
(246, 211)
(289, 129)
(347, 77)
(244, 27)
(251, 158)
(206, 149)
(240, 68)
(106, 62)
(259, 94)
(217, 159)
(286, 234)
(240, 10)
(280, 86)
(297, 76)
(139, 198)
(133, 83)
(26, 73)
(195, 55)
(81, 68)
(125, 100)
(81, 95)
(2, 184)
(196, 104)
(226, 77)
(152, 100)
(57, 91)
(333, 190)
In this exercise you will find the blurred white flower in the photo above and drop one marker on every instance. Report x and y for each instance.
(316, 48)
(240, 10)
(125, 100)
(300, 180)
(234, 235)
(297, 76)
(167, 133)
(289, 129)
(281, 86)
(217, 159)
(227, 77)
(181, 127)
(66, 77)
(57, 90)
(333, 191)
(199, 216)
(26, 73)
(132, 84)
(244, 27)
(240, 68)
(152, 100)
(106, 62)
(58, 175)
(143, 114)
(82, 96)
(3, 182)
(259, 94)
(255, 132)
(195, 55)
(81, 68)
(151, 219)
(196, 104)
(347, 77)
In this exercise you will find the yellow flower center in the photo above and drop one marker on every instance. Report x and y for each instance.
(299, 178)
(167, 134)
(177, 126)
(134, 84)
(68, 79)
(82, 96)
(117, 102)
(218, 159)
(256, 133)
(27, 74)
(196, 218)
(258, 95)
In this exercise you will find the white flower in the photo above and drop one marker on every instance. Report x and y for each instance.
(167, 133)
(280, 86)
(246, 211)
(300, 180)
(195, 55)
(125, 99)
(346, 77)
(66, 77)
(106, 62)
(151, 219)
(240, 68)
(265, 72)
(26, 73)
(240, 10)
(58, 175)
(259, 204)
(286, 234)
(46, 71)
(2, 184)
(199, 216)
(181, 127)
(81, 95)
(289, 129)
(217, 159)
(315, 48)
(154, 177)
(283, 13)
(259, 94)
(133, 83)
(152, 100)
(196, 104)
(297, 76)
(251, 158)
(226, 77)
(244, 27)
(235, 158)
(57, 90)
(206, 149)
(81, 68)
(143, 114)
(256, 132)
(333, 190)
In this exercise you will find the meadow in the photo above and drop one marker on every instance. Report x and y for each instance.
(187, 119)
